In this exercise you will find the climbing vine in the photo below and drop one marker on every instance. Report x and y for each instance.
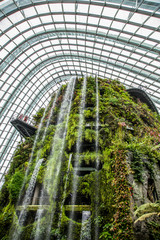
(122, 224)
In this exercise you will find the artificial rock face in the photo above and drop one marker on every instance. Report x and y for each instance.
(93, 164)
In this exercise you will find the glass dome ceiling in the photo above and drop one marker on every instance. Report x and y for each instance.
(44, 43)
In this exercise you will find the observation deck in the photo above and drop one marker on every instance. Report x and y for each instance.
(23, 125)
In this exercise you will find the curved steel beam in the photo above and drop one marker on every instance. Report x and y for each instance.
(35, 69)
(126, 6)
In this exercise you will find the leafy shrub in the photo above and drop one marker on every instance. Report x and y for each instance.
(14, 186)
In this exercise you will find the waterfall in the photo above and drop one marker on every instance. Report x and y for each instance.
(29, 192)
(86, 226)
(54, 163)
(48, 122)
(27, 199)
(97, 165)
(33, 179)
(13, 230)
(64, 193)
(28, 195)
(78, 147)
(31, 157)
(50, 115)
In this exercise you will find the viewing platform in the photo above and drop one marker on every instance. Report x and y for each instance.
(76, 208)
(23, 125)
(32, 207)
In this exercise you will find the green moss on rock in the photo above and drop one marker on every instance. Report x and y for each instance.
(147, 208)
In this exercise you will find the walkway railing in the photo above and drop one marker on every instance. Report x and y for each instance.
(23, 118)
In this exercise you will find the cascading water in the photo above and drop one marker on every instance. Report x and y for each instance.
(28, 195)
(33, 150)
(86, 226)
(78, 147)
(64, 193)
(50, 115)
(54, 163)
(13, 230)
(27, 199)
(47, 124)
(97, 165)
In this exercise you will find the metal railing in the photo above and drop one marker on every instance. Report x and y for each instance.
(23, 118)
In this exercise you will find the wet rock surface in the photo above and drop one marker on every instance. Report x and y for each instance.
(147, 227)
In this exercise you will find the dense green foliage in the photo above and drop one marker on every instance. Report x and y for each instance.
(124, 126)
